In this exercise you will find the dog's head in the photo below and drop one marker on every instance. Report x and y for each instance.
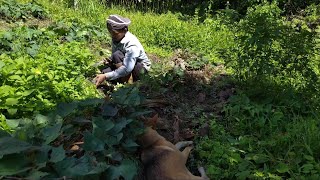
(149, 137)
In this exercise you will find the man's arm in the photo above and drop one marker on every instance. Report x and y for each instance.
(128, 64)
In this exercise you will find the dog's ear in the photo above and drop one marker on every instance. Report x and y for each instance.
(151, 122)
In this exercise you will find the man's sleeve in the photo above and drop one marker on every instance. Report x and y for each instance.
(129, 62)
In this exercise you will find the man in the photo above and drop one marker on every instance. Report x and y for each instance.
(128, 56)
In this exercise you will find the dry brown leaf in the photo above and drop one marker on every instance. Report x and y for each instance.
(75, 148)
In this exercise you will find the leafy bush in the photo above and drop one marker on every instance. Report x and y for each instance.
(40, 67)
(269, 49)
(11, 10)
(88, 139)
(35, 76)
(35, 84)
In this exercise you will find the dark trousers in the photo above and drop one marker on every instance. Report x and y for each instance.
(117, 60)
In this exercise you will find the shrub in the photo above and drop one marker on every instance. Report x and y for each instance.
(269, 49)
(11, 10)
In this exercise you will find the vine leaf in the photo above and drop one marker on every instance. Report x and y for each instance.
(109, 110)
(13, 164)
(10, 145)
(51, 133)
(127, 170)
(91, 143)
(58, 154)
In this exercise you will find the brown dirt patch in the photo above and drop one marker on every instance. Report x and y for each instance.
(186, 103)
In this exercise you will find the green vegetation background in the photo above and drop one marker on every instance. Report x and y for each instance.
(270, 50)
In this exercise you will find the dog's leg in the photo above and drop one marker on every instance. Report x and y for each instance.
(183, 144)
(203, 173)
(185, 154)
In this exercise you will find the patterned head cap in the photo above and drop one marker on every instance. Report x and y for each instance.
(117, 22)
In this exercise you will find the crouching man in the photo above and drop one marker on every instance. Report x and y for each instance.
(128, 56)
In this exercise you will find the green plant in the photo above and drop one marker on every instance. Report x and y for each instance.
(11, 10)
(269, 49)
(84, 139)
(261, 141)
(35, 84)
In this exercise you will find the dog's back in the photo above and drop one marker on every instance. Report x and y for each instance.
(164, 161)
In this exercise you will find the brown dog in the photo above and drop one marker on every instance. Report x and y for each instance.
(164, 161)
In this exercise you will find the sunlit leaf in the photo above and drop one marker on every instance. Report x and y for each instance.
(13, 123)
(12, 101)
(2, 64)
(12, 111)
(41, 119)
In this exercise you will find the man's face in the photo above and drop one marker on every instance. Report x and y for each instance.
(116, 35)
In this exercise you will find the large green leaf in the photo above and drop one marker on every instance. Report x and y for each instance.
(12, 101)
(92, 143)
(86, 165)
(12, 111)
(105, 124)
(109, 110)
(10, 145)
(112, 140)
(13, 123)
(51, 133)
(5, 90)
(58, 154)
(64, 109)
(120, 124)
(129, 145)
(127, 170)
(2, 64)
(63, 166)
(37, 175)
(41, 120)
(28, 92)
(282, 168)
(13, 164)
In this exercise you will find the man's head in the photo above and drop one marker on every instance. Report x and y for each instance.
(117, 26)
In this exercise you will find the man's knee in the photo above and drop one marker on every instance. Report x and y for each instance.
(117, 57)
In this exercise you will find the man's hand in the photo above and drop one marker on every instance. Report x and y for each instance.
(99, 79)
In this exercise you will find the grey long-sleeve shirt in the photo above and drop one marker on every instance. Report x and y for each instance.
(133, 51)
